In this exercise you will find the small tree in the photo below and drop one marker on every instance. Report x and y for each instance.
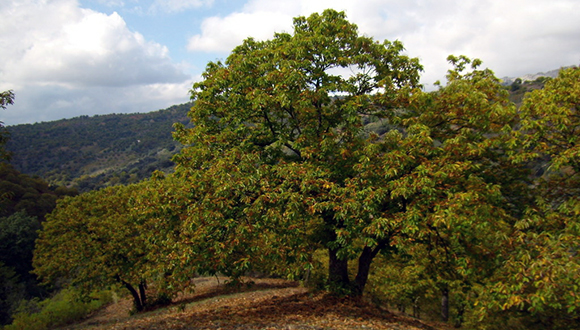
(98, 239)
(6, 98)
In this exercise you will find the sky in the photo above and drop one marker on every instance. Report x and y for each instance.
(67, 58)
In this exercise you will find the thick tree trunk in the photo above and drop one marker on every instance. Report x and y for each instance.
(445, 305)
(337, 271)
(364, 266)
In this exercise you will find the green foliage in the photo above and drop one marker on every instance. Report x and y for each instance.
(275, 130)
(21, 192)
(464, 189)
(538, 283)
(442, 185)
(404, 285)
(24, 201)
(64, 308)
(17, 235)
(6, 98)
(12, 291)
(90, 241)
(94, 152)
(112, 236)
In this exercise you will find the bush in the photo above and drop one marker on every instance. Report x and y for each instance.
(65, 307)
(401, 286)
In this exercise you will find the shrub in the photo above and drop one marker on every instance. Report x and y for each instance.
(65, 307)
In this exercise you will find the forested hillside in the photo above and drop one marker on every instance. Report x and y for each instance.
(92, 152)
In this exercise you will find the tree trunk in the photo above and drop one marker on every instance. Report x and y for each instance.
(139, 298)
(364, 266)
(142, 288)
(337, 271)
(136, 299)
(445, 305)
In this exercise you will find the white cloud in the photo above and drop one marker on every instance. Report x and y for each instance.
(46, 103)
(223, 34)
(111, 3)
(511, 37)
(178, 5)
(79, 47)
(61, 59)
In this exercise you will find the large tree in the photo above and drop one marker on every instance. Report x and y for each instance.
(279, 146)
(276, 129)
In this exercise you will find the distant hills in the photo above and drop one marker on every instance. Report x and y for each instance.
(93, 152)
(533, 77)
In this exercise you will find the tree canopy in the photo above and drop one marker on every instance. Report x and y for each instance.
(541, 271)
(286, 114)
(93, 241)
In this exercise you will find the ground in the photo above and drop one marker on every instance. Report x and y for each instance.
(264, 304)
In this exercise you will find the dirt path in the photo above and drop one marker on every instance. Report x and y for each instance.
(267, 304)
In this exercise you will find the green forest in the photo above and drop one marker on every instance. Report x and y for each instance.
(318, 156)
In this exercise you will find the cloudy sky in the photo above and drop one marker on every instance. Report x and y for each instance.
(66, 58)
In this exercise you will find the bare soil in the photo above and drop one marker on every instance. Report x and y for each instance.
(263, 304)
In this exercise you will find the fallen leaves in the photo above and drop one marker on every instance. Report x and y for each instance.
(265, 304)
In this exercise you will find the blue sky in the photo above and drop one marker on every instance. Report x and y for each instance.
(66, 58)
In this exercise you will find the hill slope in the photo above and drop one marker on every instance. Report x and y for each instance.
(92, 152)
(266, 304)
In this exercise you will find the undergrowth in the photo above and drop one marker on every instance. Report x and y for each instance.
(64, 308)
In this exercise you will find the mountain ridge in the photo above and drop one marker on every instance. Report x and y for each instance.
(534, 76)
